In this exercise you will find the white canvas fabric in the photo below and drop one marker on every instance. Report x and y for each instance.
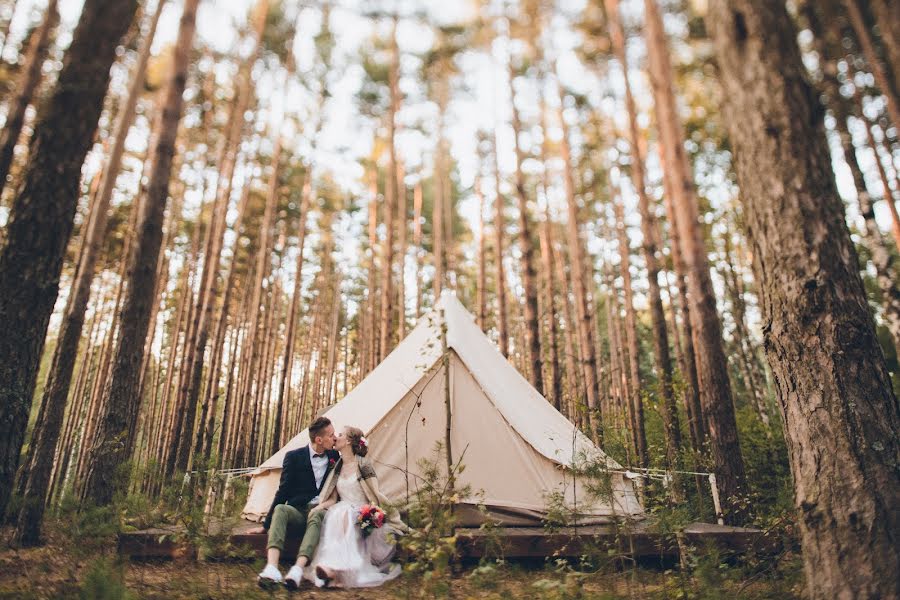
(515, 446)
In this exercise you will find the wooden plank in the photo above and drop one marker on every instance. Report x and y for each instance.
(516, 542)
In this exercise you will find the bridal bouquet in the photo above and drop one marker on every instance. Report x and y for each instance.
(370, 517)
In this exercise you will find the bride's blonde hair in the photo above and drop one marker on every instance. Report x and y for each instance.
(355, 438)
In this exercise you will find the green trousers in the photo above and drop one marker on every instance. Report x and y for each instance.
(287, 517)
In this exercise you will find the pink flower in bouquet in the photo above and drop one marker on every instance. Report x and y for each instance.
(370, 517)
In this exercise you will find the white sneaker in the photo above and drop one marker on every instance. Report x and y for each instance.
(292, 579)
(269, 578)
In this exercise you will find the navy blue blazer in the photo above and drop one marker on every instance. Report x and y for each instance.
(298, 482)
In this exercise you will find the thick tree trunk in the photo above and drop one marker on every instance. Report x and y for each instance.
(30, 78)
(56, 390)
(113, 445)
(41, 219)
(841, 418)
(716, 396)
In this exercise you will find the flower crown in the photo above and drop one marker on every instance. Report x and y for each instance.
(363, 442)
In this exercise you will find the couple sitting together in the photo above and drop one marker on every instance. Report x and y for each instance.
(327, 493)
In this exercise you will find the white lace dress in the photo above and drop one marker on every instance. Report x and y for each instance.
(342, 548)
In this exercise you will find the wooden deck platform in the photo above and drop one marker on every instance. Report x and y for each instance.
(517, 542)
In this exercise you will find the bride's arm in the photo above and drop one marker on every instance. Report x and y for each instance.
(328, 503)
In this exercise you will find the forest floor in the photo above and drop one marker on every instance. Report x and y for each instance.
(57, 570)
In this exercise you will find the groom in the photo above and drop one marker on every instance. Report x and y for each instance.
(302, 475)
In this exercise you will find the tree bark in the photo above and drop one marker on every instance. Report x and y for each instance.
(56, 390)
(113, 445)
(718, 404)
(841, 418)
(41, 219)
(30, 78)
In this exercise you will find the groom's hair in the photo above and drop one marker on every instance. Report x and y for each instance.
(317, 427)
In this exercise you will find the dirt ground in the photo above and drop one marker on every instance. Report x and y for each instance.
(58, 570)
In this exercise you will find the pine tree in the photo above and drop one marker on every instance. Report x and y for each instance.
(841, 417)
(42, 216)
(115, 437)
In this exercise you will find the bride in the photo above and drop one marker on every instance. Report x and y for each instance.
(344, 556)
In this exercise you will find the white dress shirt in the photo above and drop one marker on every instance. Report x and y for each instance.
(319, 466)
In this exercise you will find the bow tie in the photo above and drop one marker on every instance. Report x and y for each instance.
(318, 455)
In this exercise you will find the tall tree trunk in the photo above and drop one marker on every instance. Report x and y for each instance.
(631, 336)
(532, 348)
(886, 193)
(500, 273)
(372, 299)
(25, 86)
(391, 193)
(579, 288)
(437, 218)
(885, 271)
(402, 228)
(650, 247)
(7, 23)
(417, 243)
(735, 290)
(280, 433)
(573, 383)
(189, 392)
(263, 266)
(481, 282)
(887, 16)
(882, 79)
(113, 445)
(56, 390)
(554, 392)
(42, 216)
(841, 418)
(718, 404)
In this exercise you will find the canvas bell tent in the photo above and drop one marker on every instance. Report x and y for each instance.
(515, 446)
